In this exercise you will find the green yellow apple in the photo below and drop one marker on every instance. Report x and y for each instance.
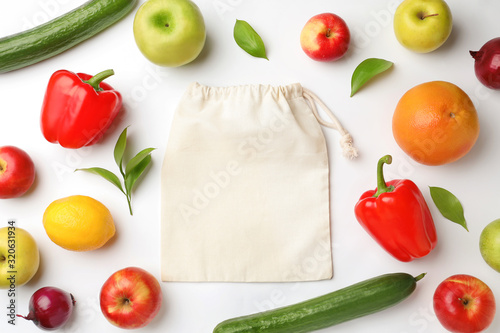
(169, 33)
(19, 257)
(422, 25)
(489, 244)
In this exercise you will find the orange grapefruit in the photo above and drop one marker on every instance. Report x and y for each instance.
(435, 123)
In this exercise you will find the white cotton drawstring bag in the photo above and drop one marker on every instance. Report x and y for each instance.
(245, 186)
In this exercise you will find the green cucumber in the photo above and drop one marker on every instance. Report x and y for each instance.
(345, 304)
(51, 38)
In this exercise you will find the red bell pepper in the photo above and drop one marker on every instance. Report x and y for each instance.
(397, 217)
(78, 108)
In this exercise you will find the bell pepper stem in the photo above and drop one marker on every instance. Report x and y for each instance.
(95, 80)
(381, 184)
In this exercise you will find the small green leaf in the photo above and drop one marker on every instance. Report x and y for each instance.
(135, 173)
(120, 146)
(133, 170)
(137, 159)
(449, 206)
(366, 70)
(249, 40)
(108, 175)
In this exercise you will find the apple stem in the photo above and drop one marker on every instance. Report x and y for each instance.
(424, 16)
(328, 33)
(3, 166)
(463, 300)
(125, 301)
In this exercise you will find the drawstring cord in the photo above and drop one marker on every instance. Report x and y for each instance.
(348, 150)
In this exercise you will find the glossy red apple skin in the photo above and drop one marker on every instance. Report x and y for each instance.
(130, 298)
(325, 37)
(17, 172)
(464, 304)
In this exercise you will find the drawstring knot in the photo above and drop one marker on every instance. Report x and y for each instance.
(348, 150)
(346, 142)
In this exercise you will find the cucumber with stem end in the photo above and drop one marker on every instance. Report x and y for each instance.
(357, 300)
(60, 34)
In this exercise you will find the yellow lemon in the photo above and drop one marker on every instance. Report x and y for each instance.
(78, 223)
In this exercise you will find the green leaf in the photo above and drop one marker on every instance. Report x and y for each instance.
(366, 70)
(106, 174)
(449, 206)
(249, 40)
(135, 173)
(133, 170)
(137, 159)
(120, 146)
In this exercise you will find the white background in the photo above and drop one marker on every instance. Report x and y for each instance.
(150, 96)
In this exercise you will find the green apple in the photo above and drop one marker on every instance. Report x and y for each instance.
(19, 257)
(169, 33)
(489, 244)
(422, 25)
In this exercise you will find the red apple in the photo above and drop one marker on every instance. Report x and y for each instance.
(17, 172)
(130, 298)
(325, 37)
(464, 304)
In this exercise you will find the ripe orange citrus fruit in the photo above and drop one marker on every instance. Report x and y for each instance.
(435, 123)
(78, 223)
